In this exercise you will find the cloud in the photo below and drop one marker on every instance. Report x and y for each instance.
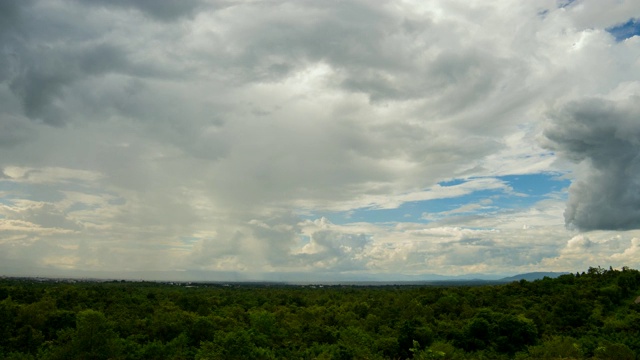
(44, 216)
(10, 11)
(604, 137)
(630, 254)
(164, 10)
(579, 243)
(14, 131)
(332, 248)
(43, 76)
(588, 13)
(212, 135)
(624, 31)
(599, 248)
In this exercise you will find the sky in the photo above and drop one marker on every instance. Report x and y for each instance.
(305, 140)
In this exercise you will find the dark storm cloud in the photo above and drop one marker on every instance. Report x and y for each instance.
(44, 74)
(604, 136)
(13, 131)
(38, 72)
(10, 14)
(10, 25)
(164, 10)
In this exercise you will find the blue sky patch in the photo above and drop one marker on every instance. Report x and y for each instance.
(626, 30)
(526, 191)
(452, 182)
(536, 184)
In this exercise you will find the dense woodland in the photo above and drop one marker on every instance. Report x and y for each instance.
(589, 315)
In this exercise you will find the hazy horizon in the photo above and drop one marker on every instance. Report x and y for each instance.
(273, 277)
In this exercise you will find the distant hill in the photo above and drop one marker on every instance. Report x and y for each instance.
(292, 278)
(532, 276)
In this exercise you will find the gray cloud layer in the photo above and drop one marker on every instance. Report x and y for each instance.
(211, 135)
(604, 135)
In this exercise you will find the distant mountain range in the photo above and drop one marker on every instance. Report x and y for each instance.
(285, 277)
(532, 276)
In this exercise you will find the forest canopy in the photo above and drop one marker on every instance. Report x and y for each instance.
(588, 315)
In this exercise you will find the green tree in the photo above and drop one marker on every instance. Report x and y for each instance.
(8, 313)
(235, 345)
(614, 351)
(94, 339)
(557, 347)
